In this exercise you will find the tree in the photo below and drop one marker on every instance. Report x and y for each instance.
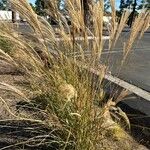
(12, 8)
(132, 16)
(122, 6)
(3, 4)
(106, 5)
(147, 5)
(132, 4)
(39, 7)
(144, 4)
(86, 7)
(129, 3)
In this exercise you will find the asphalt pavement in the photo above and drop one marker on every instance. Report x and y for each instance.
(136, 68)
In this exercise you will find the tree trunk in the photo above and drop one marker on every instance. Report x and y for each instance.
(133, 13)
(86, 7)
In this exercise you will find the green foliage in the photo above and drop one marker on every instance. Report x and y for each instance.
(3, 4)
(122, 5)
(125, 4)
(39, 7)
(130, 4)
(106, 5)
(144, 4)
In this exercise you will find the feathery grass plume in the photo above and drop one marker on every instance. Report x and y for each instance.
(5, 45)
(146, 24)
(6, 57)
(7, 87)
(113, 24)
(121, 25)
(61, 81)
(135, 30)
(97, 21)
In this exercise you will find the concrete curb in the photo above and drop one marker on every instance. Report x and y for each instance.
(132, 88)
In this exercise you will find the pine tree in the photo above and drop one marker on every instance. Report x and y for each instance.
(129, 3)
(3, 4)
(86, 7)
(122, 6)
(132, 4)
(106, 5)
(39, 7)
(144, 4)
(133, 14)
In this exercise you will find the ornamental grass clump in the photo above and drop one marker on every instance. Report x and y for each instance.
(59, 97)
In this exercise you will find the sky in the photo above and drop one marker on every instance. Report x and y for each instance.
(117, 2)
(32, 1)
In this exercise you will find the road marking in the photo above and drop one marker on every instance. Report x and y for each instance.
(82, 38)
(107, 51)
(86, 53)
(78, 38)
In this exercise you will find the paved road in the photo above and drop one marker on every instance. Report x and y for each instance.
(136, 69)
